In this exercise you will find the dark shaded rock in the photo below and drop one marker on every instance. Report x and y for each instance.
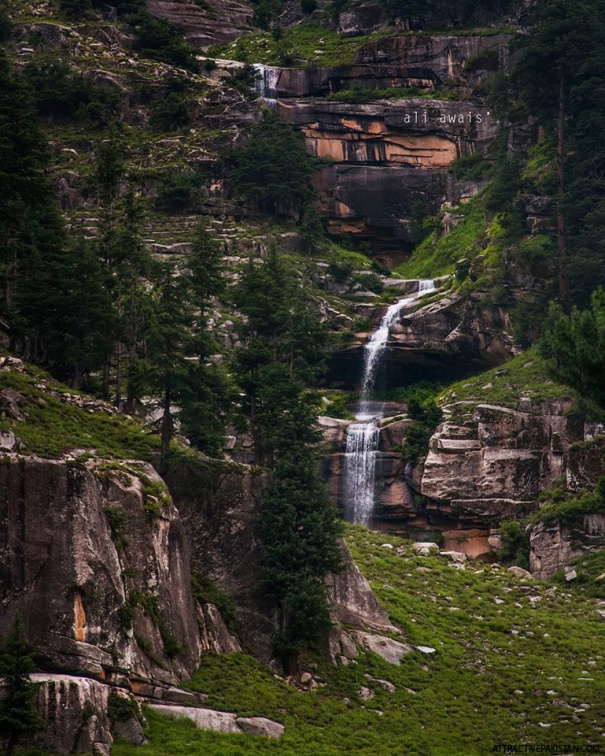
(217, 502)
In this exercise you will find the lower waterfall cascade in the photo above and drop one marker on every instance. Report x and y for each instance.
(363, 435)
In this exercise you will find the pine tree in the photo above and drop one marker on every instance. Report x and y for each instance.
(18, 714)
(297, 525)
(574, 347)
(273, 169)
(30, 226)
(178, 346)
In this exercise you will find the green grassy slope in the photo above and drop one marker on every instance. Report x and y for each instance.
(516, 661)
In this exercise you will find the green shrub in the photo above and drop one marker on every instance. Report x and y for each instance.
(159, 39)
(121, 708)
(206, 592)
(117, 525)
(340, 270)
(75, 9)
(177, 192)
(515, 543)
(171, 113)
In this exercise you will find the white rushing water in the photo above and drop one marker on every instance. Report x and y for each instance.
(265, 84)
(360, 470)
(362, 436)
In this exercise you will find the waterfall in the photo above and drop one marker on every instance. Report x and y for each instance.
(360, 468)
(363, 436)
(265, 83)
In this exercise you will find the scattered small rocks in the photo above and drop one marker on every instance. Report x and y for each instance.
(425, 548)
(384, 684)
(365, 693)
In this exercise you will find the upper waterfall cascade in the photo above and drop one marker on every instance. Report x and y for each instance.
(265, 83)
(363, 435)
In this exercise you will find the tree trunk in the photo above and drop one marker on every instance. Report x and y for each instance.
(561, 232)
(291, 663)
(10, 746)
(106, 378)
(166, 429)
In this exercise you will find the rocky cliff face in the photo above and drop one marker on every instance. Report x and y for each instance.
(388, 157)
(443, 341)
(100, 577)
(219, 504)
(205, 24)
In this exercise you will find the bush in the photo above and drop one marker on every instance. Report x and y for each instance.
(61, 94)
(170, 113)
(515, 543)
(177, 192)
(266, 11)
(340, 270)
(160, 40)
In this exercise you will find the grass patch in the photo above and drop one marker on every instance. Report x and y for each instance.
(309, 43)
(438, 254)
(499, 672)
(525, 375)
(53, 426)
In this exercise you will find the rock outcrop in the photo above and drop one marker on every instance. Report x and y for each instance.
(205, 24)
(389, 157)
(443, 341)
(99, 574)
(553, 546)
(223, 721)
(75, 712)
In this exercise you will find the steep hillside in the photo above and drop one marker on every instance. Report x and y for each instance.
(495, 657)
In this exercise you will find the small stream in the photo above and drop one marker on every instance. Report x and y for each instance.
(363, 435)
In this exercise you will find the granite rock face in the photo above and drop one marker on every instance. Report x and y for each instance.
(218, 506)
(389, 157)
(92, 572)
(204, 25)
(75, 712)
(553, 546)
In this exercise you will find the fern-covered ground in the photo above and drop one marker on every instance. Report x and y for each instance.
(516, 661)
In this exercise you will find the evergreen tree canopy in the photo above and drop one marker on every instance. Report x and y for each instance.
(297, 524)
(574, 347)
(273, 168)
(18, 714)
(560, 76)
